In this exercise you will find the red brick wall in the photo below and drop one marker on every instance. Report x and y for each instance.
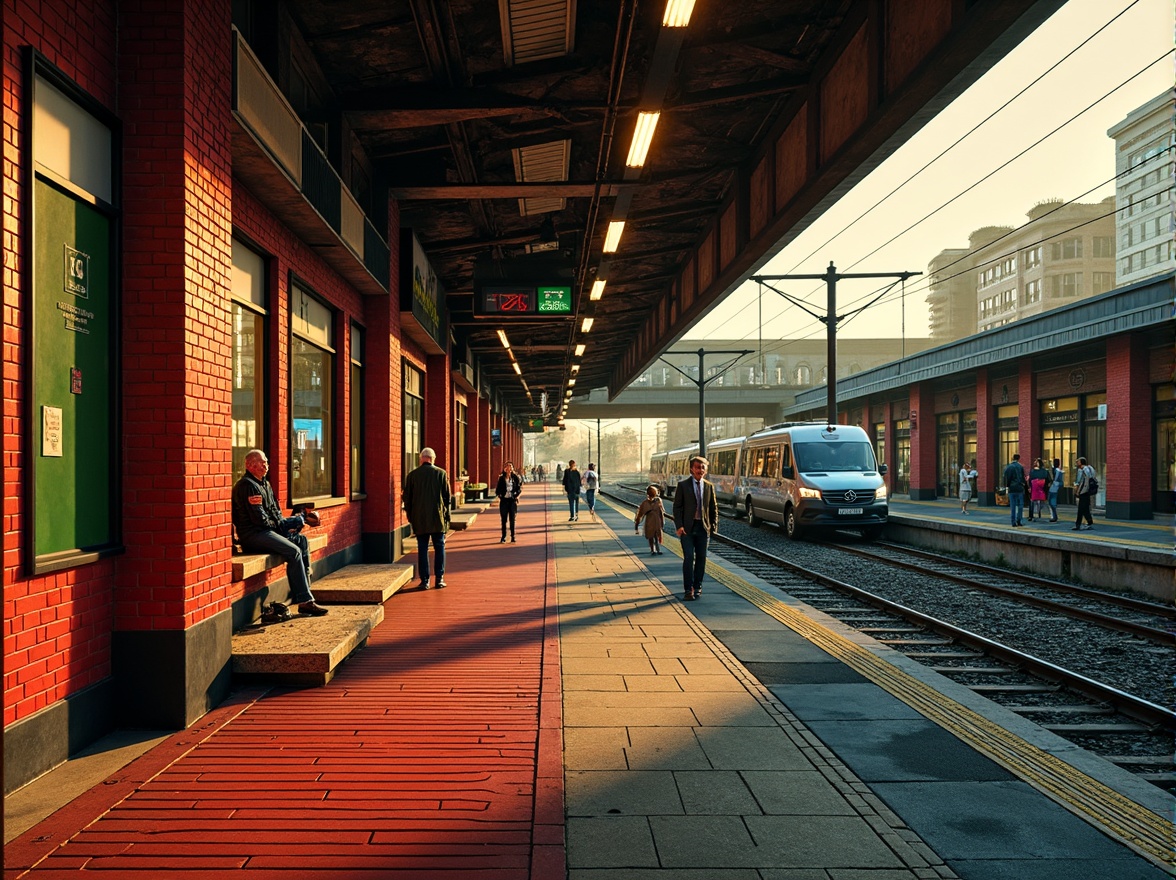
(1028, 415)
(923, 439)
(174, 100)
(1130, 437)
(57, 626)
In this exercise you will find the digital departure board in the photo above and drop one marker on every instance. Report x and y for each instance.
(531, 301)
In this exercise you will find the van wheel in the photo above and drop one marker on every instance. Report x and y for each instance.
(792, 524)
(752, 518)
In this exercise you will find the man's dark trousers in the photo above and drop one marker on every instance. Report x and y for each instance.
(694, 544)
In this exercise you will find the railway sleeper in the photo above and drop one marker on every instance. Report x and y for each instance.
(1014, 688)
(1141, 760)
(1123, 727)
(1061, 710)
(974, 670)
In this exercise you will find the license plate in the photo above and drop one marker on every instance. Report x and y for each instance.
(849, 511)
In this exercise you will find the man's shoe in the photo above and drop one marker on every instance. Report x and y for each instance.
(512, 539)
(424, 584)
(698, 594)
(441, 585)
(312, 609)
(502, 540)
(687, 597)
(1055, 519)
(1076, 529)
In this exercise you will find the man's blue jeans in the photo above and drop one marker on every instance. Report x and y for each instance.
(438, 539)
(573, 504)
(694, 544)
(295, 550)
(1016, 506)
(590, 497)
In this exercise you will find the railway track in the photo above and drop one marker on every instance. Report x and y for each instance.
(982, 627)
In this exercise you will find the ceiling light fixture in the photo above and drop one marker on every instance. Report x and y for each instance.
(505, 341)
(571, 382)
(612, 239)
(575, 368)
(580, 349)
(586, 326)
(597, 289)
(642, 137)
(678, 13)
(517, 368)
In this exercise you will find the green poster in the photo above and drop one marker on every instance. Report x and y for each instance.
(72, 389)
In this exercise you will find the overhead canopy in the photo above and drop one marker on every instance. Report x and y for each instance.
(503, 132)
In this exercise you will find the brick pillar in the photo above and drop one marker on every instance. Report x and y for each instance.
(1028, 416)
(484, 449)
(439, 410)
(987, 470)
(474, 438)
(173, 626)
(923, 439)
(1127, 473)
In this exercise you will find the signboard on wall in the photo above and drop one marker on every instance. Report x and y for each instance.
(422, 299)
(495, 437)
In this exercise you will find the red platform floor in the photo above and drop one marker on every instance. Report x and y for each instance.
(436, 752)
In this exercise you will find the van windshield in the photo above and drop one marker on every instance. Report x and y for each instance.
(852, 456)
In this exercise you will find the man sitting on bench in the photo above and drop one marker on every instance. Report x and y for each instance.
(261, 528)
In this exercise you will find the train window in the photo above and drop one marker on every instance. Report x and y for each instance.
(772, 462)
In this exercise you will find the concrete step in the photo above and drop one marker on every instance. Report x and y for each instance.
(460, 520)
(246, 565)
(361, 584)
(303, 651)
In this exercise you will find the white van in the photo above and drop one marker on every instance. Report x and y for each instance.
(808, 476)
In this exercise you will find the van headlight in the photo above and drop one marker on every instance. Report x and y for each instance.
(880, 495)
(809, 493)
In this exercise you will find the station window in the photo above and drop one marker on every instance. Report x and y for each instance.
(414, 415)
(312, 370)
(356, 402)
(247, 313)
(1165, 420)
(463, 426)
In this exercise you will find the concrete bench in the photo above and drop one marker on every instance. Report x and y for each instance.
(469, 512)
(362, 584)
(303, 651)
(246, 565)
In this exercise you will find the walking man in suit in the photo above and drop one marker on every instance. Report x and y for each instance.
(696, 514)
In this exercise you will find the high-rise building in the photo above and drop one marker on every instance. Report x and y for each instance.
(1144, 199)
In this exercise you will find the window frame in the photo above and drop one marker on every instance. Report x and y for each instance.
(328, 383)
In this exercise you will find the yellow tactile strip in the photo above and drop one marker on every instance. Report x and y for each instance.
(1139, 828)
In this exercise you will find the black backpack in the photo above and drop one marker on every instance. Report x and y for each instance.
(1092, 485)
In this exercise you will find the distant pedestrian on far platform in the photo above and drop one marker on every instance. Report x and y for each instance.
(1014, 480)
(1084, 489)
(427, 500)
(1055, 486)
(1038, 479)
(591, 482)
(510, 486)
(967, 475)
(571, 485)
(559, 471)
(696, 514)
(654, 514)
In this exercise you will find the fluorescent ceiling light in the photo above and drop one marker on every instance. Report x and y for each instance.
(677, 13)
(517, 368)
(571, 382)
(505, 341)
(575, 368)
(642, 137)
(580, 349)
(597, 289)
(586, 326)
(612, 239)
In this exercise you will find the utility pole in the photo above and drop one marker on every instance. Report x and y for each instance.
(831, 319)
(702, 382)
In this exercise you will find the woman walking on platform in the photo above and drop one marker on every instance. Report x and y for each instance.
(654, 514)
(509, 488)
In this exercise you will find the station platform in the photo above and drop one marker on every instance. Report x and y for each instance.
(558, 712)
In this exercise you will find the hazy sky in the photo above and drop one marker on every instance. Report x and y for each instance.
(1078, 162)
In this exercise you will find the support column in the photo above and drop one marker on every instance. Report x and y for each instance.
(484, 448)
(1127, 473)
(173, 623)
(923, 439)
(987, 469)
(1028, 415)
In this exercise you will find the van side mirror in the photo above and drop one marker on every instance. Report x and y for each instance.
(787, 472)
(882, 469)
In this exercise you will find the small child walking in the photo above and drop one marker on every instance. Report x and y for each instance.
(654, 514)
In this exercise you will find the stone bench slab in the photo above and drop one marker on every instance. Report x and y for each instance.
(362, 584)
(246, 565)
(461, 521)
(304, 651)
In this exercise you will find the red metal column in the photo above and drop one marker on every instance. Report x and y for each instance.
(1127, 472)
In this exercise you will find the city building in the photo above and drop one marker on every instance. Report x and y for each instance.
(1144, 199)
